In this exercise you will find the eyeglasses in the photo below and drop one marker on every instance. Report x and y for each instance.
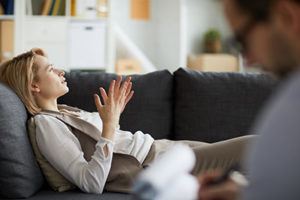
(239, 40)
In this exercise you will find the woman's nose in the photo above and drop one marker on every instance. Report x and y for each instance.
(60, 72)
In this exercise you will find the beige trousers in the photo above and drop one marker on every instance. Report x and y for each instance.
(219, 155)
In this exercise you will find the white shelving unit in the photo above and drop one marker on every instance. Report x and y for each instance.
(6, 17)
(53, 33)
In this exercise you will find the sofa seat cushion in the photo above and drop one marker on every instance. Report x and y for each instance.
(48, 194)
(212, 106)
(20, 175)
(150, 110)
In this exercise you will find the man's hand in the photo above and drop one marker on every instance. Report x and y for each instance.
(227, 190)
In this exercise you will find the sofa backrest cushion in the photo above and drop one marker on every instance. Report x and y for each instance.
(20, 175)
(150, 110)
(211, 107)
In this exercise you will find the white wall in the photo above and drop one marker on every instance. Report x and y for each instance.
(174, 30)
(201, 16)
(159, 37)
(168, 33)
(140, 31)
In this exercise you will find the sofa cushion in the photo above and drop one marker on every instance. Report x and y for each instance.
(20, 175)
(212, 106)
(48, 194)
(150, 109)
(55, 180)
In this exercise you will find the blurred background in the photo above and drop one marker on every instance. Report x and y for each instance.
(121, 36)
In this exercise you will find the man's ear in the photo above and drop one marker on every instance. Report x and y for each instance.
(34, 88)
(289, 14)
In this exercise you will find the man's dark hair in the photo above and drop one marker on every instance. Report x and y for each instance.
(258, 9)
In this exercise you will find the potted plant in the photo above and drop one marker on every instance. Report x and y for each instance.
(212, 41)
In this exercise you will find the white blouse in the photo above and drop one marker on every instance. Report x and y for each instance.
(62, 149)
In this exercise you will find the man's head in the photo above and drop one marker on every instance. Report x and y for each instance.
(269, 31)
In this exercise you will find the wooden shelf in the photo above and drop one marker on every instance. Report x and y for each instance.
(44, 17)
(87, 19)
(7, 17)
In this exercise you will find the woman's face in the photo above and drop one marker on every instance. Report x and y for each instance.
(51, 82)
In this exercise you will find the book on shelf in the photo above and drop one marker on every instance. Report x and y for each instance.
(62, 8)
(1, 10)
(36, 7)
(51, 8)
(73, 8)
(90, 9)
(46, 7)
(8, 7)
(56, 7)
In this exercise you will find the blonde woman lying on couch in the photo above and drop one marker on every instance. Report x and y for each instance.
(87, 149)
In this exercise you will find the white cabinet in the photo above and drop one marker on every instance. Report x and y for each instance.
(70, 42)
(46, 30)
(87, 44)
(51, 35)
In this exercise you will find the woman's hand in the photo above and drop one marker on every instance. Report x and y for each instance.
(227, 190)
(113, 104)
(128, 94)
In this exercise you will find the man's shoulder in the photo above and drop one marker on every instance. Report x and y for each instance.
(282, 112)
(274, 160)
(290, 87)
(286, 99)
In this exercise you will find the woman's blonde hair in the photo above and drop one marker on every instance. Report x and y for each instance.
(19, 73)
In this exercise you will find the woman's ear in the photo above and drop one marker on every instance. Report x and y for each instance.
(34, 88)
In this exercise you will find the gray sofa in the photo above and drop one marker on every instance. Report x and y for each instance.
(187, 104)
